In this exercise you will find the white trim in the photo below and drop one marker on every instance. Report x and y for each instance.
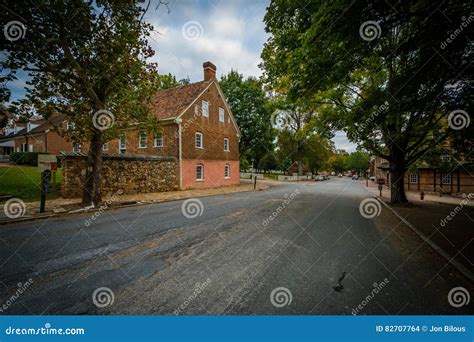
(202, 172)
(221, 111)
(227, 168)
(201, 140)
(228, 145)
(205, 113)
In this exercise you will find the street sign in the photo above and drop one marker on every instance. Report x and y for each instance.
(45, 161)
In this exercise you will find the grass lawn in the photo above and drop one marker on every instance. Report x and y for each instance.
(273, 176)
(23, 182)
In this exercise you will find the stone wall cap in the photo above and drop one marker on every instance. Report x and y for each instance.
(106, 156)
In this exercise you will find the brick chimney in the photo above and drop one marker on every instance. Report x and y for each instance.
(209, 71)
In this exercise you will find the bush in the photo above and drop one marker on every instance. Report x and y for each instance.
(25, 158)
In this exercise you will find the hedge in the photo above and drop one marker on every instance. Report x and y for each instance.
(25, 158)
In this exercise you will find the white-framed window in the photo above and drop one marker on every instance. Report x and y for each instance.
(205, 108)
(413, 178)
(446, 158)
(446, 179)
(158, 142)
(221, 115)
(199, 172)
(76, 147)
(122, 144)
(30, 148)
(23, 147)
(142, 140)
(198, 140)
(226, 145)
(227, 171)
(105, 147)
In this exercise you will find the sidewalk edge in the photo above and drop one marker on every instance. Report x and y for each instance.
(461, 268)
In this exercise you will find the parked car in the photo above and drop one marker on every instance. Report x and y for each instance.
(319, 178)
(340, 175)
(326, 177)
(355, 177)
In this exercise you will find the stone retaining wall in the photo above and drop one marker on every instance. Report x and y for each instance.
(128, 174)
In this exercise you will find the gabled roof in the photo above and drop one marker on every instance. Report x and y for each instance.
(170, 103)
(46, 125)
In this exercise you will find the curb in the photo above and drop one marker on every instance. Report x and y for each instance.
(457, 265)
(125, 204)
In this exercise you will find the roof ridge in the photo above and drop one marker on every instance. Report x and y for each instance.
(183, 85)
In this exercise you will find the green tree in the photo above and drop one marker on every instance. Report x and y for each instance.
(358, 161)
(379, 70)
(337, 163)
(268, 162)
(252, 111)
(87, 60)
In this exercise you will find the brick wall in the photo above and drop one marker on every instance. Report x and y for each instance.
(129, 174)
(212, 129)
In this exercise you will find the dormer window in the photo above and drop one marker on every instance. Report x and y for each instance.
(205, 108)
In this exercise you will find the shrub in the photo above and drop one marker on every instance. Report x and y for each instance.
(25, 158)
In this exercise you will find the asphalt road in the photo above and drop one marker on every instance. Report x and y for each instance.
(231, 259)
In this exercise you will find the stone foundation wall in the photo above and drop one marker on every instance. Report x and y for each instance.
(128, 174)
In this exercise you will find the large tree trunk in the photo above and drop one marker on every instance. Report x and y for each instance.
(300, 168)
(397, 175)
(91, 194)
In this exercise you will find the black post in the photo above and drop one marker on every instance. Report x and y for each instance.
(43, 192)
(255, 182)
(45, 179)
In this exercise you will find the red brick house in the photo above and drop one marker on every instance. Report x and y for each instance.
(196, 127)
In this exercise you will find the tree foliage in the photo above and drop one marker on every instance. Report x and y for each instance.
(379, 70)
(87, 60)
(252, 111)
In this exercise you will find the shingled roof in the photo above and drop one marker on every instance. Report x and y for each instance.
(170, 103)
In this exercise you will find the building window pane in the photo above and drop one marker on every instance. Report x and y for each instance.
(226, 144)
(199, 172)
(205, 108)
(142, 140)
(221, 114)
(414, 178)
(227, 171)
(122, 145)
(199, 142)
(105, 147)
(446, 179)
(159, 140)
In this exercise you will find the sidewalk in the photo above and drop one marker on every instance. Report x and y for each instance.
(445, 221)
(60, 206)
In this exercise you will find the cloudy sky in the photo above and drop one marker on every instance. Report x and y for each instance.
(229, 33)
